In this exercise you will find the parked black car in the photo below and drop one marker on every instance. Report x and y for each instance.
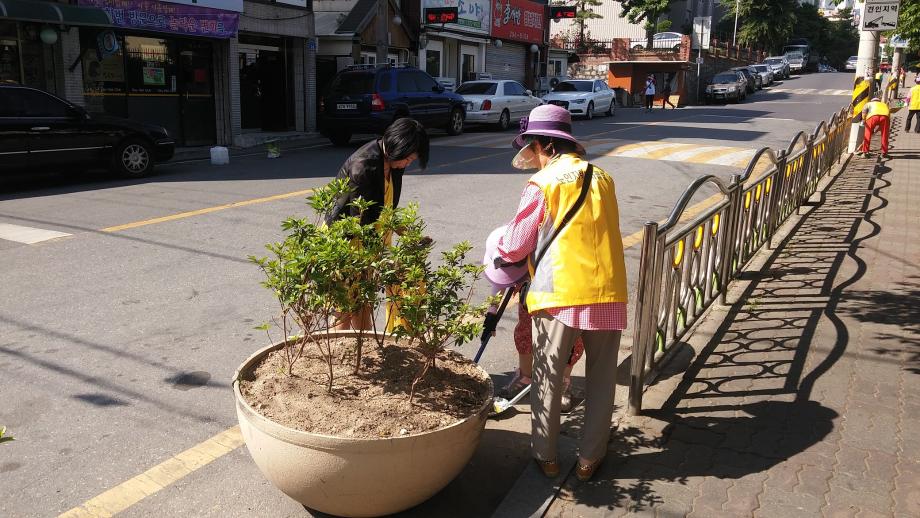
(368, 98)
(750, 80)
(39, 130)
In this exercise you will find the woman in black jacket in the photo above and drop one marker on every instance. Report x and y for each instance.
(375, 173)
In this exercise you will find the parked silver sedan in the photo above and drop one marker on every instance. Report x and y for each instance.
(498, 102)
(765, 72)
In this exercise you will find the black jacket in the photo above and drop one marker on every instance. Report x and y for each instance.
(364, 170)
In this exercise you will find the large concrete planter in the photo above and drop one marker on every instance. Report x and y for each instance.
(356, 477)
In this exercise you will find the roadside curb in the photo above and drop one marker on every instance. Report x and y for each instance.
(288, 142)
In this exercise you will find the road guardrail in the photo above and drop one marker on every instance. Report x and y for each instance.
(685, 266)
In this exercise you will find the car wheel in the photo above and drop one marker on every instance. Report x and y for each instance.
(589, 113)
(609, 112)
(340, 138)
(504, 120)
(133, 158)
(455, 125)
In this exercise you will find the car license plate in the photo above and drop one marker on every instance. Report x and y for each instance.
(558, 103)
(347, 106)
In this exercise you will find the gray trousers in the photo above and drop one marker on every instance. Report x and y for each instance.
(553, 343)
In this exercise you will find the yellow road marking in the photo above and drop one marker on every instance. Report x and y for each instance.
(158, 477)
(207, 210)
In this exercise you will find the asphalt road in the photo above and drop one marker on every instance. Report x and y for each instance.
(118, 336)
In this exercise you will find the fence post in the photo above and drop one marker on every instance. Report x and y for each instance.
(731, 233)
(777, 195)
(645, 316)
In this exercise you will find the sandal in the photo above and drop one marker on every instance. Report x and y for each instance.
(550, 468)
(515, 386)
(584, 472)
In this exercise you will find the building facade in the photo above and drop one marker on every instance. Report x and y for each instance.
(229, 72)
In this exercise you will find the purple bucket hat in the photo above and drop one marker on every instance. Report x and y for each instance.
(548, 120)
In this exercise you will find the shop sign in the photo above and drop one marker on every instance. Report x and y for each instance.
(472, 15)
(226, 5)
(518, 20)
(151, 15)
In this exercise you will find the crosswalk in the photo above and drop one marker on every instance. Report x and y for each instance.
(811, 91)
(668, 151)
(28, 235)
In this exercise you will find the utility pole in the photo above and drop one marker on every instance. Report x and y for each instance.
(866, 66)
(735, 34)
(383, 32)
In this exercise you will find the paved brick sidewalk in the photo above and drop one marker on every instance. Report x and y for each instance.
(804, 396)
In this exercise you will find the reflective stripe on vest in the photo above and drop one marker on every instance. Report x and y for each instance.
(914, 98)
(585, 263)
(877, 108)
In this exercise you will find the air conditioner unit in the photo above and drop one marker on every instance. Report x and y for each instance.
(543, 83)
(482, 75)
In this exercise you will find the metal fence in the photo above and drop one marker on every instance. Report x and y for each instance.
(687, 263)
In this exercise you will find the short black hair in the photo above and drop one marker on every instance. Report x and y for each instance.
(405, 137)
(560, 145)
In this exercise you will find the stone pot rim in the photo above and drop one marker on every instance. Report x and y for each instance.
(325, 441)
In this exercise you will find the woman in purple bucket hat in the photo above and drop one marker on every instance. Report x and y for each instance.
(567, 226)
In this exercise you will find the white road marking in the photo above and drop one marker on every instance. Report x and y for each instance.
(27, 235)
(811, 91)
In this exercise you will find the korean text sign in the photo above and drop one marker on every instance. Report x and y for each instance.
(518, 20)
(151, 15)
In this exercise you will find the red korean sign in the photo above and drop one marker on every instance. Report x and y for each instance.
(518, 20)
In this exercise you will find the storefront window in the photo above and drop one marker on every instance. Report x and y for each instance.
(150, 66)
(10, 70)
(433, 63)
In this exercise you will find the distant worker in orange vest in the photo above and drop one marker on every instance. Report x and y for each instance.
(878, 117)
(913, 106)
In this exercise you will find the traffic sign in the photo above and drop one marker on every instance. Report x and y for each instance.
(897, 42)
(701, 30)
(880, 15)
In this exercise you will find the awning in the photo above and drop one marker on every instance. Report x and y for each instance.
(53, 13)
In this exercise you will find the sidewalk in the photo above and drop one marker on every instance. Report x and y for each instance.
(803, 397)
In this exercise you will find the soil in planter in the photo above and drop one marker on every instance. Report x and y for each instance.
(372, 404)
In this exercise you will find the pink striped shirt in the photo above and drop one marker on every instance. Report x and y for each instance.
(520, 240)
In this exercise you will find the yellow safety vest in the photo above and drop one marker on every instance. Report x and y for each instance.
(584, 264)
(878, 75)
(914, 98)
(877, 108)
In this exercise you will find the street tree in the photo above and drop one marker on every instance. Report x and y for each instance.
(909, 27)
(763, 22)
(647, 13)
(584, 11)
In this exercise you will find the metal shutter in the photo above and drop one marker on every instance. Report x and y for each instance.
(514, 55)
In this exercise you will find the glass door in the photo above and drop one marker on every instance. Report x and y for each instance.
(196, 94)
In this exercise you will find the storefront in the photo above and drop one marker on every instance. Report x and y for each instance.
(31, 41)
(456, 52)
(518, 29)
(157, 65)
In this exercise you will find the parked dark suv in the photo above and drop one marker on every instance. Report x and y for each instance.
(39, 130)
(367, 99)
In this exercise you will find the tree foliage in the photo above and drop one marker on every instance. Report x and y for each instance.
(909, 27)
(646, 12)
(771, 23)
(767, 23)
